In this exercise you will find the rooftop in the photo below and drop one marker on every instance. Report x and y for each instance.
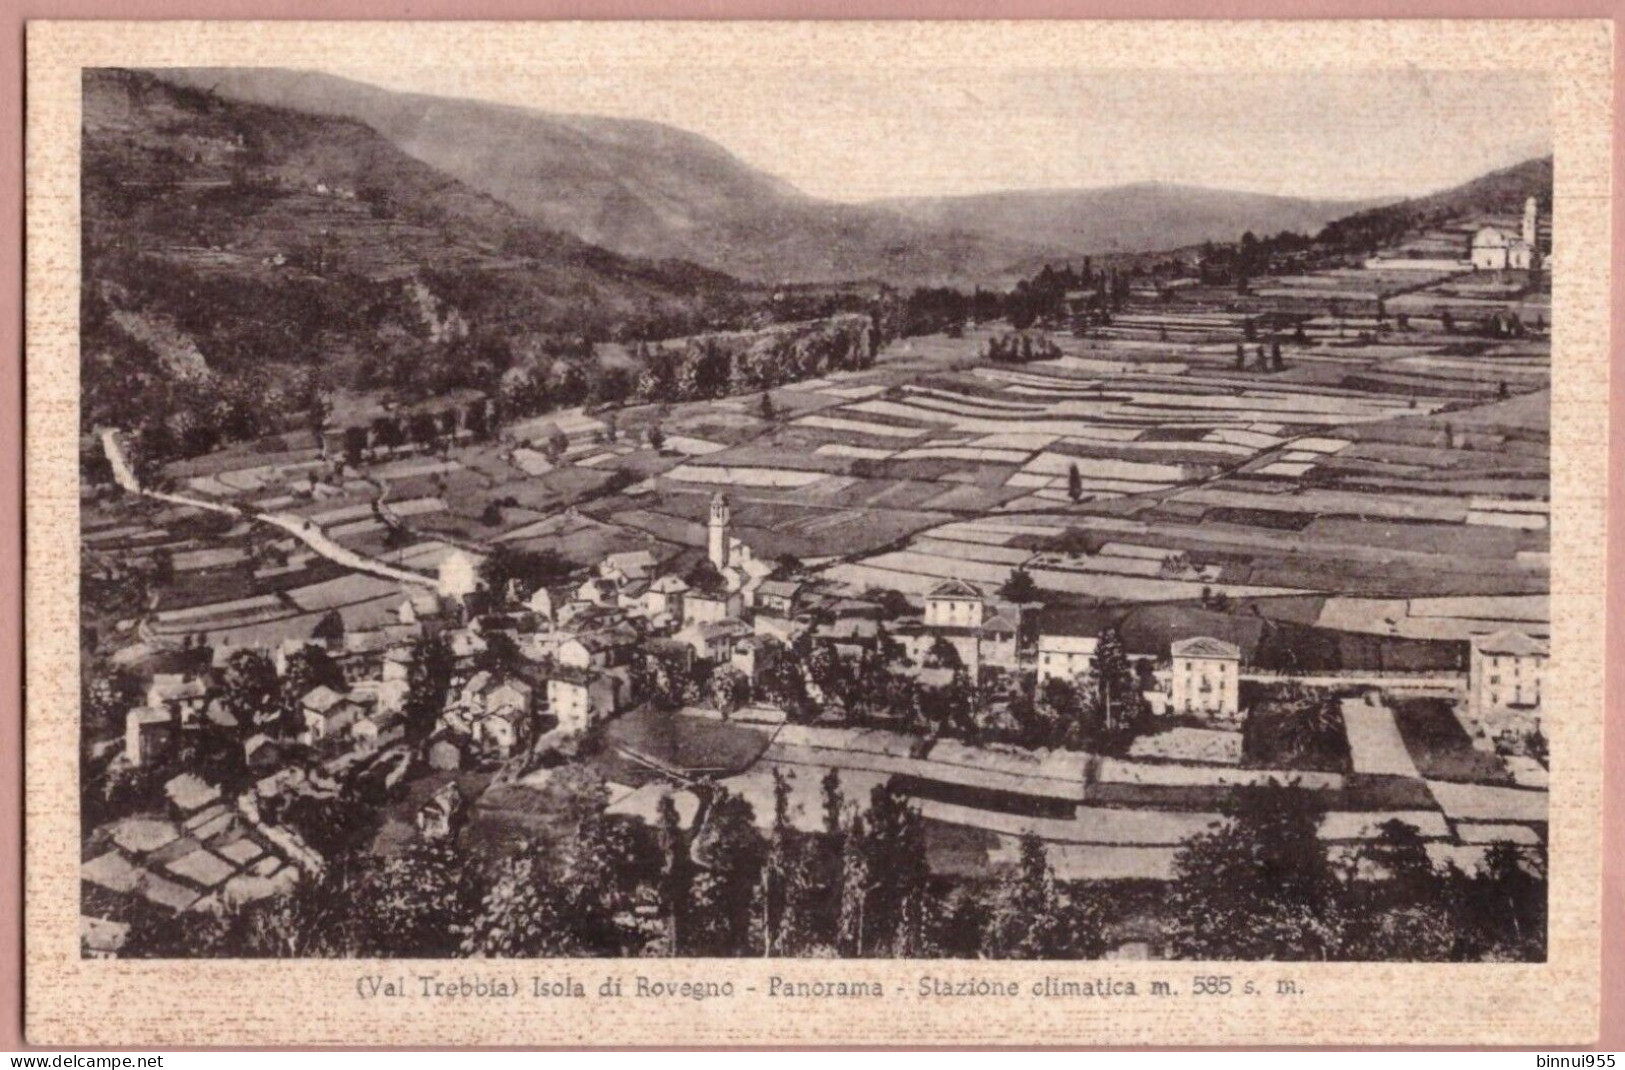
(1513, 643)
(1203, 646)
(958, 589)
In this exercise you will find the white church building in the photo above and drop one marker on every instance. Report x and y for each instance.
(738, 565)
(1493, 249)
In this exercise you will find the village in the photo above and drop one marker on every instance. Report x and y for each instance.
(1081, 596)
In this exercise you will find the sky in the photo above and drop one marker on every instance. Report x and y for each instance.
(855, 135)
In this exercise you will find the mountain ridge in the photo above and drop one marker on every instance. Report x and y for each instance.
(652, 190)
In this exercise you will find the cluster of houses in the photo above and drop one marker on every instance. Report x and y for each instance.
(579, 647)
(202, 851)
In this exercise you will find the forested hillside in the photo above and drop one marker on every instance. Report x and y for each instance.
(239, 260)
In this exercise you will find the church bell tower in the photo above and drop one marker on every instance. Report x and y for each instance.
(720, 516)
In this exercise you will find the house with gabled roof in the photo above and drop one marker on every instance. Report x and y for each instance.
(596, 650)
(999, 642)
(627, 567)
(955, 604)
(326, 713)
(1505, 673)
(580, 698)
(664, 597)
(714, 640)
(185, 695)
(1064, 656)
(1206, 677)
(148, 733)
(778, 597)
(379, 729)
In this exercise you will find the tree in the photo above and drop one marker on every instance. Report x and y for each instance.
(1057, 710)
(1019, 587)
(1241, 357)
(355, 445)
(1030, 919)
(477, 418)
(1398, 856)
(893, 908)
(308, 668)
(107, 692)
(767, 409)
(942, 654)
(732, 852)
(951, 708)
(423, 428)
(676, 874)
(1074, 483)
(567, 895)
(386, 432)
(1504, 915)
(509, 571)
(784, 685)
(526, 913)
(557, 444)
(730, 689)
(851, 927)
(1276, 363)
(501, 655)
(706, 578)
(1111, 703)
(417, 904)
(250, 690)
(428, 683)
(1260, 885)
(330, 629)
(1301, 727)
(891, 602)
(783, 856)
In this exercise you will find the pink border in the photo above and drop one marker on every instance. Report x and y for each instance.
(11, 284)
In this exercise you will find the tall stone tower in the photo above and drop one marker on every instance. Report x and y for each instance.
(1531, 215)
(720, 515)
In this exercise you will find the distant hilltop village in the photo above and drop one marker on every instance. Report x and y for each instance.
(1491, 247)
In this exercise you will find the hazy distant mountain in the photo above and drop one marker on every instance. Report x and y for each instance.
(647, 189)
(639, 188)
(1141, 217)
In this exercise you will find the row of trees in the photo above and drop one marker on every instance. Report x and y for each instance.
(426, 429)
(1265, 361)
(1020, 348)
(856, 882)
(1039, 300)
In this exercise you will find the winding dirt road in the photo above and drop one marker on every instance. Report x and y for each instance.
(306, 531)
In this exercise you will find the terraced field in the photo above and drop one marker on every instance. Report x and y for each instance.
(1393, 468)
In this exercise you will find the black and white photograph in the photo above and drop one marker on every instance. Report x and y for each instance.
(996, 513)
